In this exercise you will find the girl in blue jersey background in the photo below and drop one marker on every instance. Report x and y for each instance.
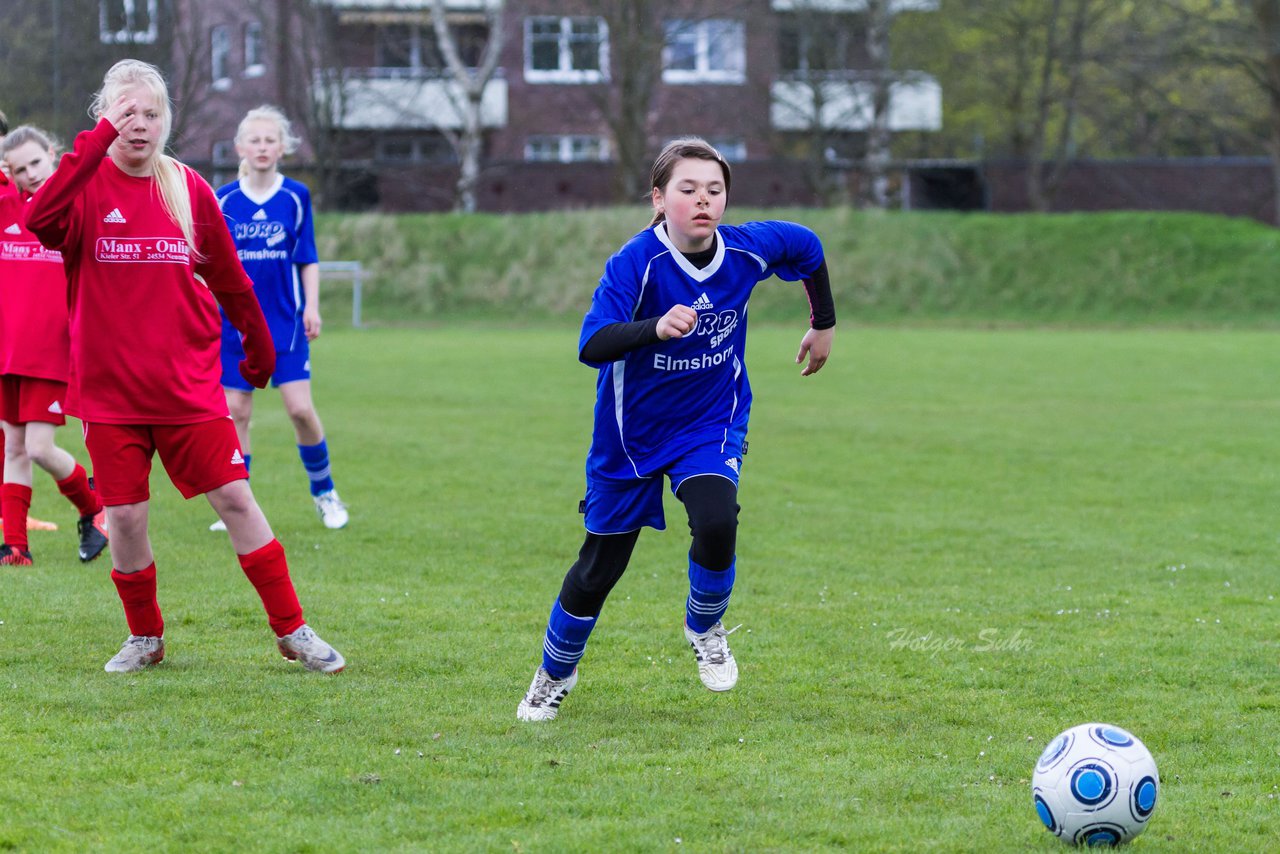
(270, 218)
(667, 332)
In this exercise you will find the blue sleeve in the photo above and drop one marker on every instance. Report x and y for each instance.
(616, 298)
(792, 251)
(304, 251)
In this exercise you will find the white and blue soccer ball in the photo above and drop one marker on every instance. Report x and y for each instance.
(1095, 784)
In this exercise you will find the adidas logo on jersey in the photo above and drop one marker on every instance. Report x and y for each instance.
(115, 216)
(13, 229)
(702, 303)
(55, 408)
(260, 215)
(732, 463)
(236, 459)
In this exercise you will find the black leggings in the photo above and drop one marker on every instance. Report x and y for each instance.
(712, 504)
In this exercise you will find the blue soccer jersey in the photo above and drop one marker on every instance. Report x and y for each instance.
(274, 236)
(661, 401)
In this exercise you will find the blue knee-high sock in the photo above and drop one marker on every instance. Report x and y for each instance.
(315, 459)
(709, 593)
(566, 641)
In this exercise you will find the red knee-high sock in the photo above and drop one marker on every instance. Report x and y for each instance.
(268, 570)
(15, 502)
(76, 488)
(138, 594)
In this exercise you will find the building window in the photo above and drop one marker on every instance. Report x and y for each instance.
(569, 148)
(820, 44)
(127, 21)
(709, 51)
(220, 56)
(566, 50)
(416, 148)
(731, 148)
(409, 50)
(254, 64)
(224, 152)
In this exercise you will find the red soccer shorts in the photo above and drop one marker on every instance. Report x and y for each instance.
(24, 399)
(197, 457)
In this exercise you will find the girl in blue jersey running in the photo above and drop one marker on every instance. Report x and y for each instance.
(667, 329)
(270, 217)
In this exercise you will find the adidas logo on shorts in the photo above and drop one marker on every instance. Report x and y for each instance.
(236, 459)
(115, 216)
(702, 303)
(55, 408)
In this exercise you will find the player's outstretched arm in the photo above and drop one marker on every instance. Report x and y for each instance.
(816, 344)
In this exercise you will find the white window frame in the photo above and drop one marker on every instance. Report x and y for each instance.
(254, 63)
(220, 57)
(568, 148)
(131, 34)
(566, 73)
(707, 34)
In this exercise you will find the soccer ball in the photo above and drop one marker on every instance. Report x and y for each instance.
(1095, 784)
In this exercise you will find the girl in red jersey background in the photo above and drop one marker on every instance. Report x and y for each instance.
(34, 356)
(149, 259)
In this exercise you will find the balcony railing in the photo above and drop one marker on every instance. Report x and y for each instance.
(845, 101)
(360, 101)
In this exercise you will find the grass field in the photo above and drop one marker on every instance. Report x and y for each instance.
(954, 544)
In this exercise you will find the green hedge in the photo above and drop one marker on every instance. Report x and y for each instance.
(1127, 268)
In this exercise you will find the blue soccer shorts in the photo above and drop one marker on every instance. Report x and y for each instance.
(291, 366)
(619, 506)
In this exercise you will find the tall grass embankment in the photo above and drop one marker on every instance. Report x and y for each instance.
(1102, 269)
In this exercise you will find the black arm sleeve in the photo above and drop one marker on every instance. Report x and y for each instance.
(822, 308)
(613, 342)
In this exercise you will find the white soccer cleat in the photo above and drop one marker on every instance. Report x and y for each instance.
(542, 701)
(137, 653)
(716, 667)
(218, 526)
(308, 647)
(331, 509)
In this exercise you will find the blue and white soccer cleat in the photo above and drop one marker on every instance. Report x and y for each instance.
(542, 701)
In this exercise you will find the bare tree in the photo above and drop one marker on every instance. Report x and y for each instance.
(879, 136)
(468, 141)
(635, 70)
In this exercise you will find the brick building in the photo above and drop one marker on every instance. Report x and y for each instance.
(783, 87)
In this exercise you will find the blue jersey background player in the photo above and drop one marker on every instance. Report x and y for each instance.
(270, 218)
(667, 331)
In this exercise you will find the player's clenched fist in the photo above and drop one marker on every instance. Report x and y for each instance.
(678, 322)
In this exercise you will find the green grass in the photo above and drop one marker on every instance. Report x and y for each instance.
(954, 544)
(1114, 269)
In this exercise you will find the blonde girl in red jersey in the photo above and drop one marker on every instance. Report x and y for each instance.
(34, 354)
(149, 259)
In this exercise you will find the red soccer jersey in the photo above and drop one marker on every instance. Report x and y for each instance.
(6, 186)
(145, 329)
(33, 300)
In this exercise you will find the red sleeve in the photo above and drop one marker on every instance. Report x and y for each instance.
(220, 265)
(49, 211)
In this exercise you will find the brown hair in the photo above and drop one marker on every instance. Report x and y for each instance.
(23, 134)
(680, 149)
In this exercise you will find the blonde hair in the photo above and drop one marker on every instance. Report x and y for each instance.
(170, 175)
(267, 113)
(680, 149)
